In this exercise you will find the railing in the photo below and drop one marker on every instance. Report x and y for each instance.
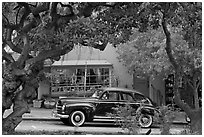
(66, 84)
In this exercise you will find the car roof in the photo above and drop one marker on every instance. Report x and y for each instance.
(122, 89)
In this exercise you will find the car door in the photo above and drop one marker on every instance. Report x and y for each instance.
(106, 102)
(127, 98)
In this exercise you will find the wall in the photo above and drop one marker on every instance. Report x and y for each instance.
(158, 90)
(109, 54)
(87, 53)
(44, 88)
(141, 84)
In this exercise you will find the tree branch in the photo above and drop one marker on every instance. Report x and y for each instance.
(45, 55)
(53, 12)
(10, 43)
(6, 18)
(41, 8)
(7, 56)
(17, 15)
(34, 23)
(26, 12)
(25, 51)
(69, 6)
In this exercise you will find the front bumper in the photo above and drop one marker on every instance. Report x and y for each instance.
(55, 114)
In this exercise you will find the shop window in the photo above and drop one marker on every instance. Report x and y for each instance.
(74, 79)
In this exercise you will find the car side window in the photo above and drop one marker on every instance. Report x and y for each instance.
(126, 97)
(140, 98)
(109, 96)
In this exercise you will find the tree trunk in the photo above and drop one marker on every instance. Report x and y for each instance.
(194, 114)
(19, 108)
(196, 100)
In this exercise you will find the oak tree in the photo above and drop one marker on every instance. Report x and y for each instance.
(42, 30)
(170, 44)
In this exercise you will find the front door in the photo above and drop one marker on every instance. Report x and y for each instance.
(107, 101)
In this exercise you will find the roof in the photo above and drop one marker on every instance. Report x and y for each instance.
(123, 89)
(81, 63)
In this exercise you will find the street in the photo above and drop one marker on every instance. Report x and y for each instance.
(90, 127)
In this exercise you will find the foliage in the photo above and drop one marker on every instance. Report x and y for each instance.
(166, 118)
(126, 118)
(148, 55)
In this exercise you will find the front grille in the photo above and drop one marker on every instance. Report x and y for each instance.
(59, 109)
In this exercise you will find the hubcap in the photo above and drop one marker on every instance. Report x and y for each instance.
(145, 120)
(77, 118)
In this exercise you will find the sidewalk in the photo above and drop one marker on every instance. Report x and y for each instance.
(36, 114)
(46, 114)
(40, 114)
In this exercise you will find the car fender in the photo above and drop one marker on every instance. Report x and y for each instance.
(146, 110)
(88, 108)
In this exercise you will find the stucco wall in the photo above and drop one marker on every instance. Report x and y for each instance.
(158, 89)
(151, 87)
(109, 54)
(44, 88)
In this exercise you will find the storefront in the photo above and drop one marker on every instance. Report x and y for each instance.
(79, 75)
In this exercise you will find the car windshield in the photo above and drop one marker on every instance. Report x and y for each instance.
(97, 93)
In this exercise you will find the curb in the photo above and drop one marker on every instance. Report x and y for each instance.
(41, 118)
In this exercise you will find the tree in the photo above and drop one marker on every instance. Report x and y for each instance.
(41, 31)
(37, 32)
(171, 46)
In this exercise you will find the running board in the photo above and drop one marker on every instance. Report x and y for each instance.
(104, 117)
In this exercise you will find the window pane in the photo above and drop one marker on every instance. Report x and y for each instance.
(109, 96)
(126, 97)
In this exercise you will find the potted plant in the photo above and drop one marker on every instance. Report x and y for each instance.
(48, 102)
(37, 103)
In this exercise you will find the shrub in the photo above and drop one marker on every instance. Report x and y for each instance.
(166, 118)
(126, 118)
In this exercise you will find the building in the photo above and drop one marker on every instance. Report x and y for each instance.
(91, 67)
(86, 67)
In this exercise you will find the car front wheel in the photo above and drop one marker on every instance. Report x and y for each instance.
(77, 118)
(145, 120)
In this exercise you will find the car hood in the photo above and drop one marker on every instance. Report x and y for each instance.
(77, 99)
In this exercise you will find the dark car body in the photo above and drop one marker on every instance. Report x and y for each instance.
(71, 109)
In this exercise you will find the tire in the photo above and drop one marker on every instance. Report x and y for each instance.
(145, 120)
(77, 118)
(65, 121)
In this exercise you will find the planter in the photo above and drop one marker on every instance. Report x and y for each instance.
(37, 103)
(49, 104)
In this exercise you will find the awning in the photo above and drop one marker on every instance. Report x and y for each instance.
(81, 63)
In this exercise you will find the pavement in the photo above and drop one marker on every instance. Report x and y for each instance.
(42, 114)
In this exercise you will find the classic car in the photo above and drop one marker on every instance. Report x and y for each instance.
(77, 110)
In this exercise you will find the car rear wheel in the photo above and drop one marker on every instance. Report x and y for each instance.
(77, 118)
(145, 120)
